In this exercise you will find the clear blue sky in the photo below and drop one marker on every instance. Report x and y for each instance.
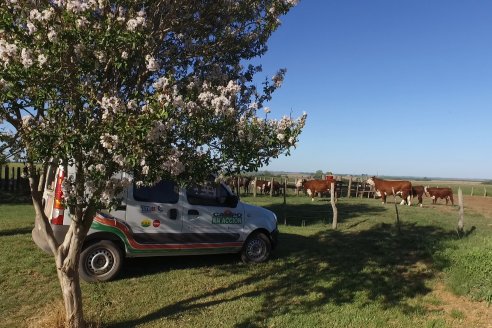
(400, 88)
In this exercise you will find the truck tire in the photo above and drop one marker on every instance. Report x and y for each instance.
(256, 249)
(100, 261)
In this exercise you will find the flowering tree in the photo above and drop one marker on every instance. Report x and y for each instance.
(155, 88)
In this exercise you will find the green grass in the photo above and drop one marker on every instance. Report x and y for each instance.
(364, 274)
(470, 272)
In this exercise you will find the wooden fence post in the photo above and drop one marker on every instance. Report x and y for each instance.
(285, 191)
(471, 192)
(18, 180)
(484, 192)
(2, 178)
(285, 202)
(271, 187)
(333, 206)
(461, 213)
(238, 179)
(396, 208)
(6, 178)
(349, 186)
(254, 187)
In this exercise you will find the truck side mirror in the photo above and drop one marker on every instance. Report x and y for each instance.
(232, 201)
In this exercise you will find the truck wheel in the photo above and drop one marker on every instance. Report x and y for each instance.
(256, 249)
(100, 261)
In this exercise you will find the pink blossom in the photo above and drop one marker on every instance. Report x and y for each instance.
(35, 15)
(42, 59)
(161, 84)
(152, 64)
(3, 85)
(26, 58)
(31, 27)
(52, 35)
(109, 141)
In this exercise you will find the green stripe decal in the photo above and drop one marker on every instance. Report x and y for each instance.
(121, 230)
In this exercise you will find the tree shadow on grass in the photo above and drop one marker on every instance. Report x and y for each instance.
(15, 198)
(336, 267)
(16, 231)
(331, 267)
(313, 214)
(144, 266)
(193, 303)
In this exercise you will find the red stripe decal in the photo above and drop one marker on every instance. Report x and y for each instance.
(124, 229)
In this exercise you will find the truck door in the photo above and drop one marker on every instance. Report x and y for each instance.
(209, 216)
(153, 213)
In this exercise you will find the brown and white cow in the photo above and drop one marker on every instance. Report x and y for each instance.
(435, 193)
(276, 187)
(243, 182)
(298, 185)
(384, 188)
(418, 191)
(299, 182)
(313, 187)
(261, 185)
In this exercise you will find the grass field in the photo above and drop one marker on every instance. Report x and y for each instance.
(471, 188)
(364, 274)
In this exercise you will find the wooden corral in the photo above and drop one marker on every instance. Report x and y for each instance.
(12, 178)
(347, 186)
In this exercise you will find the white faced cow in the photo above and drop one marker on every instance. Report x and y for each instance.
(313, 187)
(384, 188)
(261, 185)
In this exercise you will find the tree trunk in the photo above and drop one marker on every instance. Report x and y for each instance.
(66, 255)
(67, 265)
(72, 297)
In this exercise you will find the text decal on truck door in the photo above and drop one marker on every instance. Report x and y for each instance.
(227, 217)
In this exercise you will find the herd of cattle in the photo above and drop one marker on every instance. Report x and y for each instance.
(247, 184)
(382, 188)
(406, 191)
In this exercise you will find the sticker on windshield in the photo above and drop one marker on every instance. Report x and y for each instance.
(145, 223)
(227, 217)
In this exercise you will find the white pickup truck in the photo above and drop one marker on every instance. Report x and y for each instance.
(163, 220)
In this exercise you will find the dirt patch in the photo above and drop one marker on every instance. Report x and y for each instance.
(53, 316)
(460, 311)
(478, 204)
